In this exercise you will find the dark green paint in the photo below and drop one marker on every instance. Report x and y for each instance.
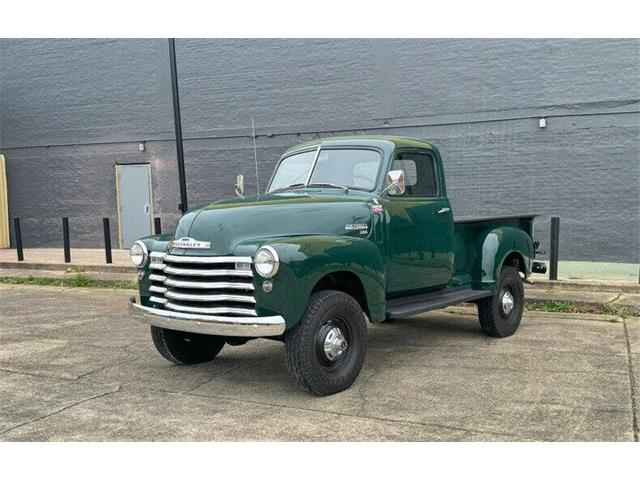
(407, 248)
(305, 260)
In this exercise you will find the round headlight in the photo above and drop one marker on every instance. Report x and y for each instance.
(139, 254)
(266, 261)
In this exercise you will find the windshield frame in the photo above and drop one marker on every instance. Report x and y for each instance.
(318, 149)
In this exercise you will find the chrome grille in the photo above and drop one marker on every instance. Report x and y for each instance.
(206, 285)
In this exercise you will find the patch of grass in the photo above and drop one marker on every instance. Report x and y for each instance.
(608, 309)
(559, 306)
(78, 280)
(81, 280)
(556, 306)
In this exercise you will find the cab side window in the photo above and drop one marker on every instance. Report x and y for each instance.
(419, 173)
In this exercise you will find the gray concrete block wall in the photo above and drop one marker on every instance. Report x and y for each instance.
(71, 109)
(57, 91)
(48, 183)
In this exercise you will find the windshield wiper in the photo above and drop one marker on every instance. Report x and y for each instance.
(293, 185)
(325, 184)
(320, 184)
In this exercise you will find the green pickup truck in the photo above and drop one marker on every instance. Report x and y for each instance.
(351, 230)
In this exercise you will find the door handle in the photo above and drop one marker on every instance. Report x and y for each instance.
(146, 209)
(444, 210)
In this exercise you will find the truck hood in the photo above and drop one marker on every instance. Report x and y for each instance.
(240, 225)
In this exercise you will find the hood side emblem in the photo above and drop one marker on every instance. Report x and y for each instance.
(186, 242)
(362, 227)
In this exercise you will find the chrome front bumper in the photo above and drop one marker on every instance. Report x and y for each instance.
(208, 324)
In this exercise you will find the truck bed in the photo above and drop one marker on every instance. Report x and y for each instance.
(495, 218)
(467, 228)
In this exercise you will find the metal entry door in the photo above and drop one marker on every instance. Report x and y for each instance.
(134, 202)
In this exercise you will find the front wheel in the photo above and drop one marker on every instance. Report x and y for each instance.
(184, 348)
(500, 314)
(325, 350)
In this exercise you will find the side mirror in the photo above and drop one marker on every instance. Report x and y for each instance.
(239, 186)
(395, 182)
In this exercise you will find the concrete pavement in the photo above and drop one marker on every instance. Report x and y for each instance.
(573, 270)
(621, 303)
(74, 367)
(82, 259)
(605, 297)
(79, 256)
(93, 259)
(66, 275)
(580, 290)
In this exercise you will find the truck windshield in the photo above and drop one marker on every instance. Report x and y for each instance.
(352, 168)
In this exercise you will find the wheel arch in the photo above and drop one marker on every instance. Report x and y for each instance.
(347, 282)
(497, 247)
(515, 259)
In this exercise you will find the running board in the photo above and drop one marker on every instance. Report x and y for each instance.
(414, 304)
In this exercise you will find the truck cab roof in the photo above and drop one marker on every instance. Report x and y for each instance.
(384, 142)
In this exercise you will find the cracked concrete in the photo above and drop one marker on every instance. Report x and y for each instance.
(632, 331)
(74, 367)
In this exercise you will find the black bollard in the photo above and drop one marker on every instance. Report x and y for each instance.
(18, 234)
(107, 240)
(65, 237)
(157, 226)
(553, 248)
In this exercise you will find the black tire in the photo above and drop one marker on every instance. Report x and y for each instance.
(491, 311)
(306, 358)
(184, 348)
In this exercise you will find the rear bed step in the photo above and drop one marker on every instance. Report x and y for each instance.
(411, 305)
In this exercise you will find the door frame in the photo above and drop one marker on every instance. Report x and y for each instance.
(117, 166)
(440, 197)
(5, 238)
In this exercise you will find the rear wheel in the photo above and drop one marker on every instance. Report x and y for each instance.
(184, 348)
(326, 349)
(500, 314)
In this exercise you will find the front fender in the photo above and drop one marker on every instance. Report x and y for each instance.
(493, 247)
(154, 243)
(305, 260)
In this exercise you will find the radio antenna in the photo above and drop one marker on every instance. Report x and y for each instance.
(255, 153)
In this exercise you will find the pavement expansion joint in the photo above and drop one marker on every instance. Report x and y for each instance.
(38, 375)
(632, 385)
(66, 407)
(616, 298)
(363, 417)
(110, 365)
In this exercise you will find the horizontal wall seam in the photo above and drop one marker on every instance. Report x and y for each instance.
(273, 132)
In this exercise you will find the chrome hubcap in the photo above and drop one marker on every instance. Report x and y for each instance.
(507, 302)
(335, 344)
